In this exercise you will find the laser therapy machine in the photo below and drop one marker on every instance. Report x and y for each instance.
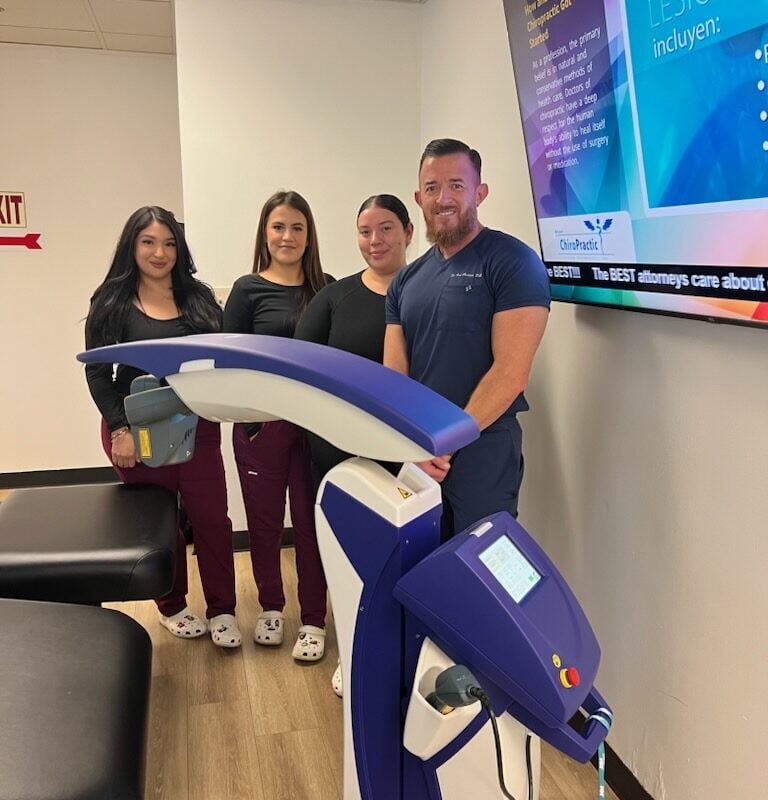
(423, 629)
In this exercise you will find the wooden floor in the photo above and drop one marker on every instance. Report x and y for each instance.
(252, 723)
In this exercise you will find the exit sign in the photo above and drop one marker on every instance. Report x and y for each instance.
(12, 211)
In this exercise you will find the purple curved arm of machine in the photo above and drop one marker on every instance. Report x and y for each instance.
(413, 410)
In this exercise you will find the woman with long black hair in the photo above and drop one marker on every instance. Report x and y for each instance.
(150, 292)
(274, 456)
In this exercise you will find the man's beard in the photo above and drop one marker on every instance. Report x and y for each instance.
(449, 237)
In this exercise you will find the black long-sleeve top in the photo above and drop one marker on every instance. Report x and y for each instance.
(257, 305)
(107, 386)
(349, 316)
(346, 315)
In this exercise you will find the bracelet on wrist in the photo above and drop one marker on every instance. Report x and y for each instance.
(119, 433)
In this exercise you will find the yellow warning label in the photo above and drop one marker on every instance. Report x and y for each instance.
(145, 443)
(404, 493)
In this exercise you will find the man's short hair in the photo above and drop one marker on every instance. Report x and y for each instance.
(448, 147)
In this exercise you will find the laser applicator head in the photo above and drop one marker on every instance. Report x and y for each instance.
(452, 689)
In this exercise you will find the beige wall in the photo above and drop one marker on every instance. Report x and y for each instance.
(646, 472)
(320, 97)
(88, 136)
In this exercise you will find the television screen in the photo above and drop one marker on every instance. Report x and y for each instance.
(646, 130)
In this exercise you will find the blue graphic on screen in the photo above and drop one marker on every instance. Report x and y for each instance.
(599, 228)
(697, 65)
(646, 129)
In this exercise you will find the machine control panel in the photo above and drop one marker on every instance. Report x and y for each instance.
(511, 618)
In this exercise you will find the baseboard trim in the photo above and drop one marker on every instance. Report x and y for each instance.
(240, 539)
(57, 477)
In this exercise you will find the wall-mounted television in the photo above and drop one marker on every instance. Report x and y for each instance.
(646, 130)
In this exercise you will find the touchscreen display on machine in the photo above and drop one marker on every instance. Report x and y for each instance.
(510, 568)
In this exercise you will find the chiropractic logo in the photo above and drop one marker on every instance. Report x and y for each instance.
(588, 238)
(576, 242)
(596, 226)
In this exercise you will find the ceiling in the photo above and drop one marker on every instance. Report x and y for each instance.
(139, 26)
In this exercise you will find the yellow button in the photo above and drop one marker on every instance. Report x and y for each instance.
(556, 660)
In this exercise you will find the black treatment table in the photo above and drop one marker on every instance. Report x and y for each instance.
(88, 544)
(74, 678)
(74, 697)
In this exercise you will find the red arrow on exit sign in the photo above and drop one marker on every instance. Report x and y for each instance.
(29, 241)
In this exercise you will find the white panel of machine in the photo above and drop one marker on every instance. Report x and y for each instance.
(472, 771)
(427, 731)
(261, 395)
(346, 589)
(397, 500)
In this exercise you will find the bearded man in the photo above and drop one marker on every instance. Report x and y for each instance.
(466, 319)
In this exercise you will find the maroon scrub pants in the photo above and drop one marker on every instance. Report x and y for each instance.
(200, 482)
(275, 459)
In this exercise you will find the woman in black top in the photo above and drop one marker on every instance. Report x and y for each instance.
(274, 456)
(150, 293)
(349, 314)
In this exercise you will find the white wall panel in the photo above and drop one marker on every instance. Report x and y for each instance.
(88, 136)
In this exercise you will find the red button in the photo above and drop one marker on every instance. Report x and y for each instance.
(573, 676)
(569, 677)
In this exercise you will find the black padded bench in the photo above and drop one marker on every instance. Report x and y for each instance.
(74, 689)
(74, 680)
(88, 544)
